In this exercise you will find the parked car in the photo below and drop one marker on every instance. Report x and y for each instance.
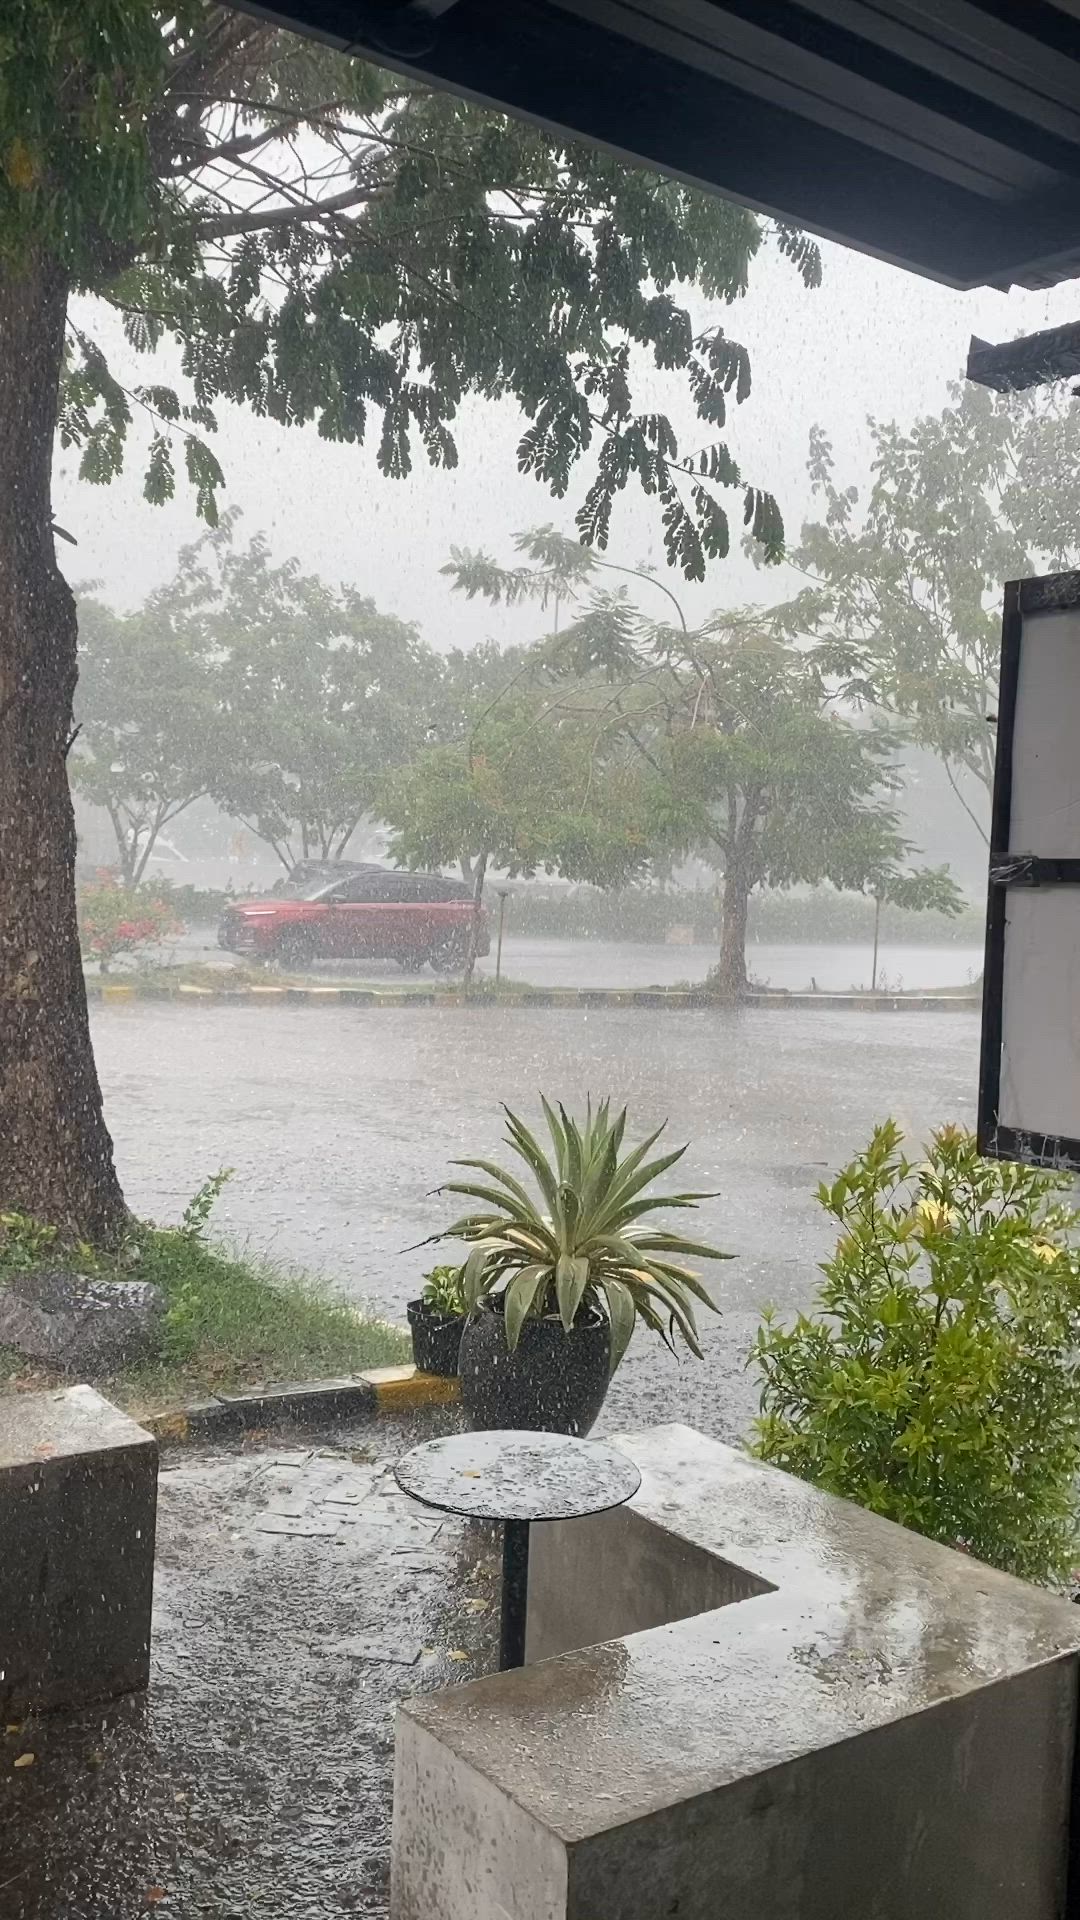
(364, 912)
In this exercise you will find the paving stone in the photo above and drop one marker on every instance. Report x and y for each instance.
(303, 1526)
(386, 1652)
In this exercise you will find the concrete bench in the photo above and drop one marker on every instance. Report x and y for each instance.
(78, 1499)
(747, 1700)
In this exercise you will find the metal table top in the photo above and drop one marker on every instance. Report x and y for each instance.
(518, 1476)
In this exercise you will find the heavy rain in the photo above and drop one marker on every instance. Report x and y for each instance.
(499, 671)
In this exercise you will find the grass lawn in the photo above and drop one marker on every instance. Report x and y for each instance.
(230, 1321)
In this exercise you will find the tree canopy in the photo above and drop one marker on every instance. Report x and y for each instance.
(986, 491)
(737, 735)
(327, 242)
(148, 720)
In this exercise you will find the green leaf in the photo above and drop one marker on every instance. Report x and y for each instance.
(621, 1313)
(520, 1299)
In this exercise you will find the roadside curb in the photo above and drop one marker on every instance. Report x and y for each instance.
(367, 1396)
(673, 998)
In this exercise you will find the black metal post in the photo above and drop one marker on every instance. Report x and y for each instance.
(515, 1594)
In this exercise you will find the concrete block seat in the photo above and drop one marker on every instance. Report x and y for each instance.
(78, 1500)
(747, 1700)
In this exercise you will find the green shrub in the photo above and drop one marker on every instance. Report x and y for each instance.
(937, 1381)
(444, 1291)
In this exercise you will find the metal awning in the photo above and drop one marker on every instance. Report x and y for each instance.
(942, 135)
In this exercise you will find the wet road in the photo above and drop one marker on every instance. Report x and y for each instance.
(339, 1123)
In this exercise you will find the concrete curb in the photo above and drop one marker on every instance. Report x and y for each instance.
(673, 998)
(368, 1396)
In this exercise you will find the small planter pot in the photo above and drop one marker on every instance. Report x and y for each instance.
(555, 1382)
(436, 1339)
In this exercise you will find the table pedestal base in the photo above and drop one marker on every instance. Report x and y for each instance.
(515, 1594)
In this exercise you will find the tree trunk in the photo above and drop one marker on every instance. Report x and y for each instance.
(730, 975)
(56, 1157)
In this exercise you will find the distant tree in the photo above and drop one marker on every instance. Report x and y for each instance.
(321, 695)
(147, 717)
(984, 492)
(543, 783)
(323, 242)
(761, 772)
(737, 734)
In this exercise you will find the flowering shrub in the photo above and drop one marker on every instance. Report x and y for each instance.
(116, 919)
(937, 1380)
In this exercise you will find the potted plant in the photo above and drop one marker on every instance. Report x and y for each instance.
(437, 1320)
(554, 1284)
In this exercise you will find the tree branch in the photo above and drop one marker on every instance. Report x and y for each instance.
(219, 227)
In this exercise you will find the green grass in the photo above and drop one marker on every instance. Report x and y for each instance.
(230, 1322)
(243, 976)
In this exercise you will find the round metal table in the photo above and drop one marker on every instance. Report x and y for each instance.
(517, 1478)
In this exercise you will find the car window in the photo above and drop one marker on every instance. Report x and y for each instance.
(364, 888)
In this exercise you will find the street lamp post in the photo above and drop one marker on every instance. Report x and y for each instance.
(502, 892)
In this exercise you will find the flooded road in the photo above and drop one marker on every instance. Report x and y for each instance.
(339, 1123)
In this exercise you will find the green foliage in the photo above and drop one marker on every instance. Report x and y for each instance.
(327, 242)
(586, 1246)
(230, 1320)
(738, 750)
(196, 1215)
(937, 1382)
(284, 700)
(320, 696)
(984, 492)
(649, 913)
(443, 1291)
(149, 727)
(115, 919)
(24, 1242)
(79, 80)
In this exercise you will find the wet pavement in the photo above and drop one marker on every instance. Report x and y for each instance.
(339, 1124)
(298, 1596)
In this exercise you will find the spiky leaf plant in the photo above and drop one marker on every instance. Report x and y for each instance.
(586, 1243)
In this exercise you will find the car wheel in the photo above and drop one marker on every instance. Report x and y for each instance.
(450, 955)
(295, 951)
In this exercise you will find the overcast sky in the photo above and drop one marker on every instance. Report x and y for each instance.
(872, 339)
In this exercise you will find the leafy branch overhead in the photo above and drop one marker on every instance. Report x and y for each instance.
(329, 243)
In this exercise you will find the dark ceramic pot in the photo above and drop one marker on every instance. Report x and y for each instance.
(436, 1338)
(555, 1382)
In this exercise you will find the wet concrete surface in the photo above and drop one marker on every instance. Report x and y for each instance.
(298, 1597)
(339, 1125)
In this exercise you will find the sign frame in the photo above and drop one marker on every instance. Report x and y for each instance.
(1009, 868)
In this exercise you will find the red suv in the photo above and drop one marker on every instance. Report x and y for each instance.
(369, 912)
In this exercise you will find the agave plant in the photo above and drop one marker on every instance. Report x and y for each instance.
(588, 1243)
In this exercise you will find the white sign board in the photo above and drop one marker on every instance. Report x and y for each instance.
(1029, 1094)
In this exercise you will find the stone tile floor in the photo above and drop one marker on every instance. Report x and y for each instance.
(298, 1596)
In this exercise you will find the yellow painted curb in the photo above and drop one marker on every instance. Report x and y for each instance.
(167, 1426)
(117, 993)
(402, 1387)
(202, 993)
